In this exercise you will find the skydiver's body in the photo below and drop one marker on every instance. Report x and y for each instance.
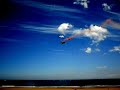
(67, 39)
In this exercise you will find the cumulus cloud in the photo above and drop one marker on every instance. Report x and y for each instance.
(61, 36)
(106, 7)
(84, 3)
(115, 49)
(77, 2)
(63, 27)
(96, 33)
(88, 50)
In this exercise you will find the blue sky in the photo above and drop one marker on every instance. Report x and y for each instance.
(30, 46)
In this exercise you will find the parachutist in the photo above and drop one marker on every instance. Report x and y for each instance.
(67, 39)
(62, 42)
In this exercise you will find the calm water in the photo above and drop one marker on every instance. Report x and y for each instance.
(60, 82)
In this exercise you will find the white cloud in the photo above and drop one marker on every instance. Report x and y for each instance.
(84, 3)
(63, 27)
(102, 67)
(61, 36)
(97, 50)
(88, 50)
(106, 7)
(115, 49)
(77, 32)
(96, 33)
(43, 29)
(76, 2)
